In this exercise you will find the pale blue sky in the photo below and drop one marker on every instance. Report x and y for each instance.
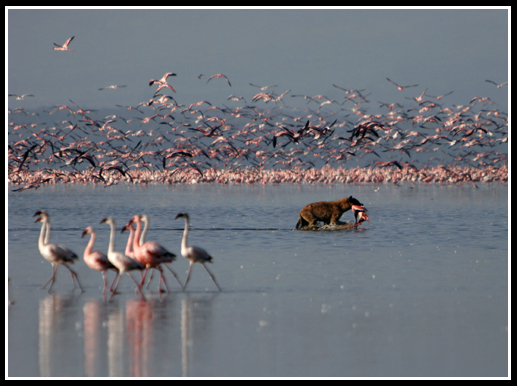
(303, 50)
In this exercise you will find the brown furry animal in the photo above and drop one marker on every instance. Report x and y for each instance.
(327, 211)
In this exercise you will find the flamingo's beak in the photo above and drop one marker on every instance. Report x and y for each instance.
(126, 227)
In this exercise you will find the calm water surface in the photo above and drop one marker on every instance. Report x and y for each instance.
(421, 290)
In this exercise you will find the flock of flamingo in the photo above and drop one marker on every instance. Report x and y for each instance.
(260, 141)
(139, 254)
(260, 138)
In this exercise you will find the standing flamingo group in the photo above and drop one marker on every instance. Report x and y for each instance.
(139, 254)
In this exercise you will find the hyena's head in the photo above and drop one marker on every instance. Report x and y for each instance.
(354, 201)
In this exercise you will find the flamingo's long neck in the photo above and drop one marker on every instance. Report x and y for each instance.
(111, 245)
(144, 232)
(89, 247)
(47, 230)
(136, 238)
(42, 241)
(129, 252)
(185, 236)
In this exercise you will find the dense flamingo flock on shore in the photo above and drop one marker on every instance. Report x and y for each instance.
(260, 138)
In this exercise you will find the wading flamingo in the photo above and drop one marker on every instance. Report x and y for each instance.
(193, 253)
(95, 259)
(54, 253)
(145, 219)
(64, 47)
(121, 261)
(151, 255)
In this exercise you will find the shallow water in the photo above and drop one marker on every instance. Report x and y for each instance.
(421, 290)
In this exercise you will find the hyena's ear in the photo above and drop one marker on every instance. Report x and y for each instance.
(350, 198)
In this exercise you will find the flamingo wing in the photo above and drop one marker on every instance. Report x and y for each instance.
(68, 41)
(198, 254)
(63, 252)
(99, 261)
(156, 251)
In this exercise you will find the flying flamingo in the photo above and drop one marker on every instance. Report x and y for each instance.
(151, 255)
(95, 259)
(163, 78)
(121, 261)
(419, 99)
(64, 47)
(20, 97)
(193, 253)
(496, 84)
(113, 87)
(54, 253)
(163, 86)
(162, 82)
(263, 88)
(389, 163)
(441, 96)
(401, 88)
(219, 76)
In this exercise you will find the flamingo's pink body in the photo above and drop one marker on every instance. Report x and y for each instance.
(151, 254)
